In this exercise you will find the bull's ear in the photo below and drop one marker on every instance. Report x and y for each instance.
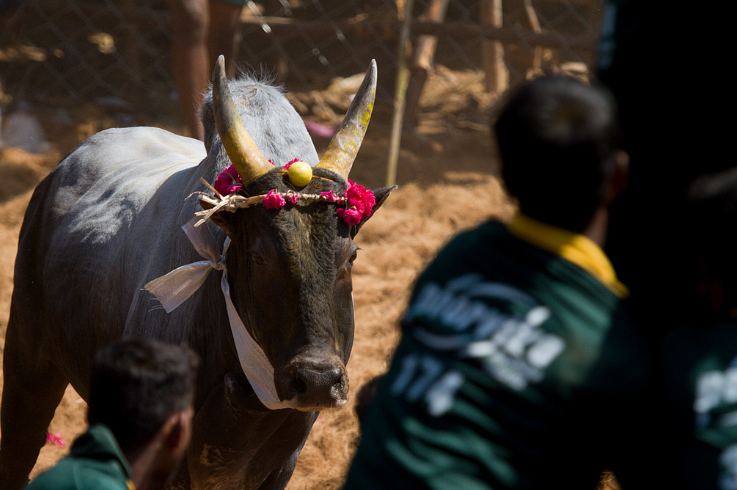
(381, 195)
(218, 218)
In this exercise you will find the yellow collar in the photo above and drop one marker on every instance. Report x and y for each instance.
(573, 247)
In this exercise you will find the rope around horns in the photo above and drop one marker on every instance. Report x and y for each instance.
(234, 202)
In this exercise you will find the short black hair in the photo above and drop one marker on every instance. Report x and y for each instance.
(557, 138)
(711, 228)
(137, 384)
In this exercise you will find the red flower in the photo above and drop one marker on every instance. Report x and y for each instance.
(228, 181)
(286, 167)
(274, 200)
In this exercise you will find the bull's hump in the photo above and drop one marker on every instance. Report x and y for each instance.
(150, 141)
(113, 175)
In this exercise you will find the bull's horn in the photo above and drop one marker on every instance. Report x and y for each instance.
(344, 146)
(242, 151)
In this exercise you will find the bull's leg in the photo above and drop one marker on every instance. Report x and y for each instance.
(279, 479)
(32, 390)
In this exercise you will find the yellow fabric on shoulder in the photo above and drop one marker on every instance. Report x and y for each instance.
(574, 247)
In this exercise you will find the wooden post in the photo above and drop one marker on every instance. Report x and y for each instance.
(132, 50)
(537, 65)
(422, 61)
(492, 52)
(400, 94)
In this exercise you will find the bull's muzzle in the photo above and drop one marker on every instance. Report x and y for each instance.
(310, 384)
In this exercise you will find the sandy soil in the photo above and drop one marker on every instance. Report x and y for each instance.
(447, 178)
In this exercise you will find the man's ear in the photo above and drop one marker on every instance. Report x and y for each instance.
(180, 429)
(218, 217)
(381, 195)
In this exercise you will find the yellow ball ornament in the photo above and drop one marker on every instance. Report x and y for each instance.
(300, 173)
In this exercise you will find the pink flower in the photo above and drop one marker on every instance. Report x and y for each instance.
(274, 200)
(351, 216)
(56, 439)
(228, 181)
(361, 202)
(329, 195)
(293, 197)
(286, 167)
(360, 198)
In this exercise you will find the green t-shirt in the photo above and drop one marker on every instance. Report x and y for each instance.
(700, 370)
(95, 462)
(516, 369)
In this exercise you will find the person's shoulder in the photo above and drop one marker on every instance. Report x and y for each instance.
(74, 474)
(466, 251)
(479, 240)
(698, 346)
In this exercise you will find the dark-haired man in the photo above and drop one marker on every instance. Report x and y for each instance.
(516, 358)
(140, 414)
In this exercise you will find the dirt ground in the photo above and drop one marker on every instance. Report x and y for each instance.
(447, 182)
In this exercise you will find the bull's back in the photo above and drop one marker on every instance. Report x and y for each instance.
(82, 237)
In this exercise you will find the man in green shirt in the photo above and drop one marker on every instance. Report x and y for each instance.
(517, 366)
(699, 357)
(140, 414)
(672, 131)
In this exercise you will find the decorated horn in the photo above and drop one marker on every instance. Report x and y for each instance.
(344, 146)
(242, 151)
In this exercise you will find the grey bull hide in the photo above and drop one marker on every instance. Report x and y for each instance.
(109, 219)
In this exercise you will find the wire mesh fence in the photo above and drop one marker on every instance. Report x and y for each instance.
(118, 51)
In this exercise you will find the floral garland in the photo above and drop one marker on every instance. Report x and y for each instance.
(359, 200)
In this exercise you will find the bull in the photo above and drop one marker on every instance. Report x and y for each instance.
(106, 222)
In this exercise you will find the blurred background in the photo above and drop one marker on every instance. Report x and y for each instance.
(116, 54)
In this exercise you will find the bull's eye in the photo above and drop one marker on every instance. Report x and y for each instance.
(257, 258)
(354, 256)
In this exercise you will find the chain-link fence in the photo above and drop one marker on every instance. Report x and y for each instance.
(118, 51)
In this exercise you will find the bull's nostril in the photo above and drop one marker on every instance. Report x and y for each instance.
(334, 377)
(299, 386)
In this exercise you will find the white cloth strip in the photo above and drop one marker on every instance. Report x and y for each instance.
(177, 286)
(255, 364)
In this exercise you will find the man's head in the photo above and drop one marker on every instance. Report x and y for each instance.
(559, 144)
(143, 391)
(709, 227)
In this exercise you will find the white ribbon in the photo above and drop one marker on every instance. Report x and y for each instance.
(175, 287)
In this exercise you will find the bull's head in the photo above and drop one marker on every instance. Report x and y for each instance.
(290, 268)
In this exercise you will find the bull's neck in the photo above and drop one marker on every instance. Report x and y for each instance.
(212, 334)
